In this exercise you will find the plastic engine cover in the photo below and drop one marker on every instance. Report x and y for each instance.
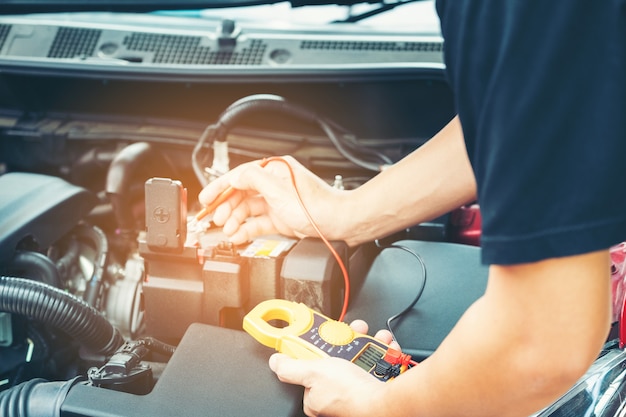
(39, 207)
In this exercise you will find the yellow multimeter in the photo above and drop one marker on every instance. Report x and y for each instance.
(311, 335)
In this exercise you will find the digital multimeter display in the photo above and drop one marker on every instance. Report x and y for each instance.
(369, 356)
(362, 350)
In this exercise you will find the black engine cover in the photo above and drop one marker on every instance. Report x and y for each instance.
(38, 208)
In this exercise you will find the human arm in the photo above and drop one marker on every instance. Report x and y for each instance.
(431, 181)
(530, 337)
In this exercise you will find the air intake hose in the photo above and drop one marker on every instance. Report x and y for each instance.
(64, 311)
(35, 398)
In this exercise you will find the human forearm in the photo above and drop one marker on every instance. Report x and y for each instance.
(536, 330)
(429, 182)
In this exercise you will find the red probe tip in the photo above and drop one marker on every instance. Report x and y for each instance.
(223, 196)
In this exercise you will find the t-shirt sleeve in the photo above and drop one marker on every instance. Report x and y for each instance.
(540, 89)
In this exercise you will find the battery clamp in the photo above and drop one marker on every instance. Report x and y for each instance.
(309, 334)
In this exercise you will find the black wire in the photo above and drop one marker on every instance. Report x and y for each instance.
(231, 115)
(343, 151)
(196, 162)
(157, 346)
(420, 290)
(356, 147)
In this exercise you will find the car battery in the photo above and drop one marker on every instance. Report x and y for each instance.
(206, 279)
(173, 292)
(265, 257)
(238, 278)
(311, 275)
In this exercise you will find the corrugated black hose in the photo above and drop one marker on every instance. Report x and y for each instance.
(35, 398)
(64, 311)
(70, 314)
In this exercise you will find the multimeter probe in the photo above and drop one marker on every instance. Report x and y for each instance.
(311, 335)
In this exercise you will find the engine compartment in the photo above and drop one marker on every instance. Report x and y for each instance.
(98, 207)
(96, 203)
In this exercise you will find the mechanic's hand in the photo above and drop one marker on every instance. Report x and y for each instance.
(266, 201)
(334, 386)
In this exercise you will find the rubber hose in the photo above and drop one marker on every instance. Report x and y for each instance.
(93, 292)
(122, 172)
(62, 310)
(35, 398)
(246, 105)
(228, 118)
(70, 257)
(40, 266)
(195, 155)
(119, 178)
(256, 102)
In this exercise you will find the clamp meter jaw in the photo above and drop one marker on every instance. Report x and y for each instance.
(311, 335)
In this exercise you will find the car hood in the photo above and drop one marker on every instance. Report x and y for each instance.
(37, 6)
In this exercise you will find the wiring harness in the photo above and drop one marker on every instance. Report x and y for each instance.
(215, 135)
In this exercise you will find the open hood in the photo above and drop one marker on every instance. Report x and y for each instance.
(38, 6)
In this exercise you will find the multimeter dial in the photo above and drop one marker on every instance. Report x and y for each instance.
(336, 332)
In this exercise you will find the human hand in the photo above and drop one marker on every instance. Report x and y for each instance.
(265, 200)
(334, 386)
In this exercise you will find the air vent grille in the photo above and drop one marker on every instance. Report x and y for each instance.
(174, 49)
(373, 46)
(73, 42)
(4, 32)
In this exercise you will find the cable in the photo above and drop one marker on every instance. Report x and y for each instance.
(420, 290)
(218, 132)
(342, 150)
(344, 271)
(158, 346)
(353, 146)
(195, 156)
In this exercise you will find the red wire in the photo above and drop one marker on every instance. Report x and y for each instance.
(344, 271)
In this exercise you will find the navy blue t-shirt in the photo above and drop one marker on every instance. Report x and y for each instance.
(540, 89)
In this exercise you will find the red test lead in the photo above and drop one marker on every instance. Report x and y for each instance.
(223, 196)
